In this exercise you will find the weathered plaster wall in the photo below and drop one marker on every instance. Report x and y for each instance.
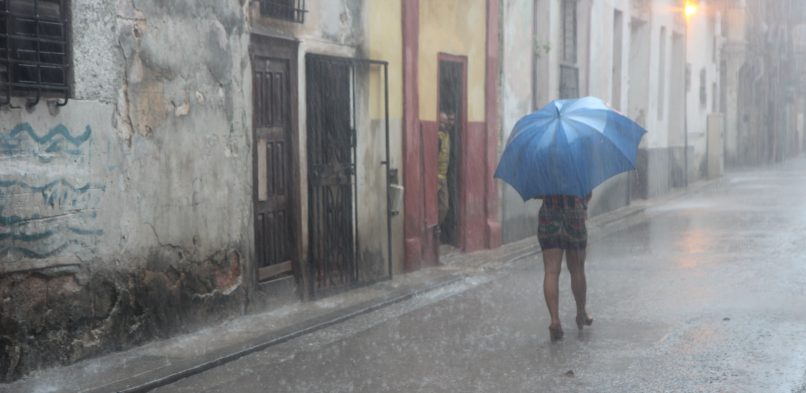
(657, 103)
(639, 68)
(454, 27)
(615, 192)
(519, 218)
(733, 55)
(384, 41)
(665, 15)
(704, 36)
(546, 34)
(123, 214)
(602, 55)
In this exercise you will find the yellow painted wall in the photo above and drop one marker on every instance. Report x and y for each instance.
(385, 42)
(455, 27)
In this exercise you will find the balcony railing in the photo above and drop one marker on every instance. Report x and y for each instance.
(290, 10)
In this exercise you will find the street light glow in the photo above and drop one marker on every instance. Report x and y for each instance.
(691, 9)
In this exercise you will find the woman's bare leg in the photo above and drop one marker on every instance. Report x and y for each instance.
(552, 263)
(579, 285)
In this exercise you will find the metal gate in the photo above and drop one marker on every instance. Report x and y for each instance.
(333, 122)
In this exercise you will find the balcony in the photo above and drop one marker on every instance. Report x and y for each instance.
(289, 10)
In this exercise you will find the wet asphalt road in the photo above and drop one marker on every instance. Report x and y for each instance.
(706, 293)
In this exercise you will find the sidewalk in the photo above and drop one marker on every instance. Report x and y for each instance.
(158, 363)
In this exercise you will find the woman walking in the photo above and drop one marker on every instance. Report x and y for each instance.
(562, 230)
(558, 154)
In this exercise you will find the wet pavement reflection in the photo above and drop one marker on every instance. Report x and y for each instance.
(706, 293)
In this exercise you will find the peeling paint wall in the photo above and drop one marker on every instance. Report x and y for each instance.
(123, 214)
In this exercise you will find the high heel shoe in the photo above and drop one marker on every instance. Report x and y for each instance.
(556, 333)
(583, 320)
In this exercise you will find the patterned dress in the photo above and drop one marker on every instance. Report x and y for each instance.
(562, 223)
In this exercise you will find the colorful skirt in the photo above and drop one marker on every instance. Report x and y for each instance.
(562, 223)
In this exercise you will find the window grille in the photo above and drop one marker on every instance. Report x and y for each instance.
(569, 31)
(34, 50)
(290, 10)
(703, 89)
(569, 71)
(662, 76)
(569, 82)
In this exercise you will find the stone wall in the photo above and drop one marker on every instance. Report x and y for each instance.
(123, 213)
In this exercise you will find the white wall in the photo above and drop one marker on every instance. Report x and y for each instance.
(663, 17)
(518, 67)
(704, 38)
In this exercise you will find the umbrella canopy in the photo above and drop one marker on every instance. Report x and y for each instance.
(568, 148)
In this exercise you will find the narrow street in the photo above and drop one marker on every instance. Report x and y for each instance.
(706, 293)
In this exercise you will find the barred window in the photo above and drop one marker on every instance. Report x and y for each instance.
(34, 49)
(569, 70)
(569, 31)
(703, 88)
(290, 10)
(569, 82)
(662, 73)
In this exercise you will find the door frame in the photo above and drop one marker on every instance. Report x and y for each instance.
(311, 292)
(462, 172)
(287, 50)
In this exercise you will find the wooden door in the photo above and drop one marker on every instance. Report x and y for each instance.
(273, 88)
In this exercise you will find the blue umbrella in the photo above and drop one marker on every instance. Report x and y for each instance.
(568, 148)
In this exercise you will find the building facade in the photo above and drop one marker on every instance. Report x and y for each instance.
(210, 159)
(451, 67)
(635, 56)
(767, 85)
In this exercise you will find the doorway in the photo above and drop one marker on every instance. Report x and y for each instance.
(274, 91)
(348, 195)
(331, 174)
(451, 120)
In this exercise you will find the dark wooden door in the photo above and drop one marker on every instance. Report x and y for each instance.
(331, 170)
(274, 234)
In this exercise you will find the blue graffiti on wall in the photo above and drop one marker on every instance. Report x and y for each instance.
(59, 192)
(57, 140)
(60, 218)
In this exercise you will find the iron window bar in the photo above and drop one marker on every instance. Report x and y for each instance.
(34, 55)
(290, 10)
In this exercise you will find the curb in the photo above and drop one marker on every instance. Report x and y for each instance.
(498, 259)
(145, 383)
(154, 379)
